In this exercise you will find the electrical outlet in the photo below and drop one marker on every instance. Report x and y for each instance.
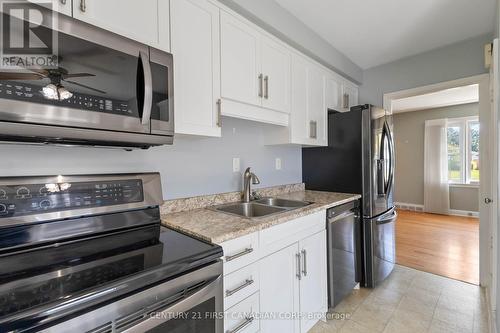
(236, 164)
(278, 163)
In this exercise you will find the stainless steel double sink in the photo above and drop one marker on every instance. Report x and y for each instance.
(260, 208)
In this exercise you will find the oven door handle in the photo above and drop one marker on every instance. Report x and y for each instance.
(157, 318)
(148, 89)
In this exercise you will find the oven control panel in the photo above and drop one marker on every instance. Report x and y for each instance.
(18, 200)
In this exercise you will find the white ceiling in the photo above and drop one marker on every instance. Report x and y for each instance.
(453, 96)
(372, 33)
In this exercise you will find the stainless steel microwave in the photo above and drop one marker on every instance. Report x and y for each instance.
(105, 89)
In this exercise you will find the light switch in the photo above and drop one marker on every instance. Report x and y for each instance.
(236, 164)
(278, 163)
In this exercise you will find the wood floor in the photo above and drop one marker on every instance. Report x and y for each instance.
(439, 244)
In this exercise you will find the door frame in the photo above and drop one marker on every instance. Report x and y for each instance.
(486, 225)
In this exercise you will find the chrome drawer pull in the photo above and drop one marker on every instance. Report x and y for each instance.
(248, 282)
(241, 326)
(238, 255)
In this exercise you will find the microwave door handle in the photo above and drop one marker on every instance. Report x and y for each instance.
(148, 89)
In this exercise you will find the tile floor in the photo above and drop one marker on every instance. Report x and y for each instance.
(411, 301)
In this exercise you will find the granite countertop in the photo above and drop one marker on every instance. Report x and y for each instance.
(218, 227)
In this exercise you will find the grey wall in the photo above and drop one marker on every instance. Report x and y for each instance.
(444, 64)
(193, 166)
(272, 17)
(409, 130)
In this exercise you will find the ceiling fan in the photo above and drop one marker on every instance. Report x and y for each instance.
(55, 89)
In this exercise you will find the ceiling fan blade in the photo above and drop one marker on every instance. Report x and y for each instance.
(34, 69)
(69, 76)
(12, 76)
(86, 87)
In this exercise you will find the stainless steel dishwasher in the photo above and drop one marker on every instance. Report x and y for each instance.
(344, 251)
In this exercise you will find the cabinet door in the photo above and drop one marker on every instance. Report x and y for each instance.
(299, 126)
(333, 93)
(279, 289)
(61, 6)
(240, 61)
(137, 20)
(316, 107)
(276, 70)
(195, 45)
(313, 286)
(349, 95)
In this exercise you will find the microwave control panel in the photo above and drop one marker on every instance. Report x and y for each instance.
(18, 200)
(31, 93)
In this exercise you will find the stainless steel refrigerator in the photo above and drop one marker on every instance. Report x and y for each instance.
(360, 159)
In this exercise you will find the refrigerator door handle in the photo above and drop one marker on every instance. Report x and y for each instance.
(391, 160)
(387, 218)
(381, 188)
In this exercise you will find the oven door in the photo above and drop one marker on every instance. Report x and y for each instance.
(190, 303)
(100, 81)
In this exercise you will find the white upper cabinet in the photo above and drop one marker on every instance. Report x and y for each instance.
(333, 92)
(276, 70)
(196, 48)
(240, 58)
(309, 112)
(255, 73)
(138, 20)
(349, 96)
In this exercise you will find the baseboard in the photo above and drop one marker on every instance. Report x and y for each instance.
(409, 206)
(467, 213)
(420, 208)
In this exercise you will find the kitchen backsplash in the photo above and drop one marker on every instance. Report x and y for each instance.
(191, 167)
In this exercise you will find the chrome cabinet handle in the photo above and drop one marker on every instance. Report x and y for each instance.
(304, 260)
(238, 255)
(488, 201)
(148, 89)
(83, 5)
(231, 292)
(219, 113)
(245, 323)
(313, 129)
(266, 85)
(63, 2)
(299, 276)
(261, 85)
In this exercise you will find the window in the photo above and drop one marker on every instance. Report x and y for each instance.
(463, 150)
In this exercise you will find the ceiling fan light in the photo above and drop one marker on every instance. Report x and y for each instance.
(64, 94)
(50, 92)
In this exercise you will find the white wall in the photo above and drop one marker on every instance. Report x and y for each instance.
(275, 19)
(193, 166)
(448, 63)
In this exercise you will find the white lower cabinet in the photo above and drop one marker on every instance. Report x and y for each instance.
(280, 289)
(241, 318)
(313, 285)
(285, 272)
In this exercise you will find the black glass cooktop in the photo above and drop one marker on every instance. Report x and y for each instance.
(60, 272)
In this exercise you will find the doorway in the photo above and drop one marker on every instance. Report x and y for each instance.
(442, 177)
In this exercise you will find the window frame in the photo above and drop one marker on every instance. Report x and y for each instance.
(465, 142)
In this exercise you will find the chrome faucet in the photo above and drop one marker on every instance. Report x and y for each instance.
(248, 176)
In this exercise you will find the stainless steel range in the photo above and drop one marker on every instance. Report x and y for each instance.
(88, 254)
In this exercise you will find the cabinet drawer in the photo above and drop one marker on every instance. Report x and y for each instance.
(242, 316)
(240, 284)
(281, 236)
(240, 252)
